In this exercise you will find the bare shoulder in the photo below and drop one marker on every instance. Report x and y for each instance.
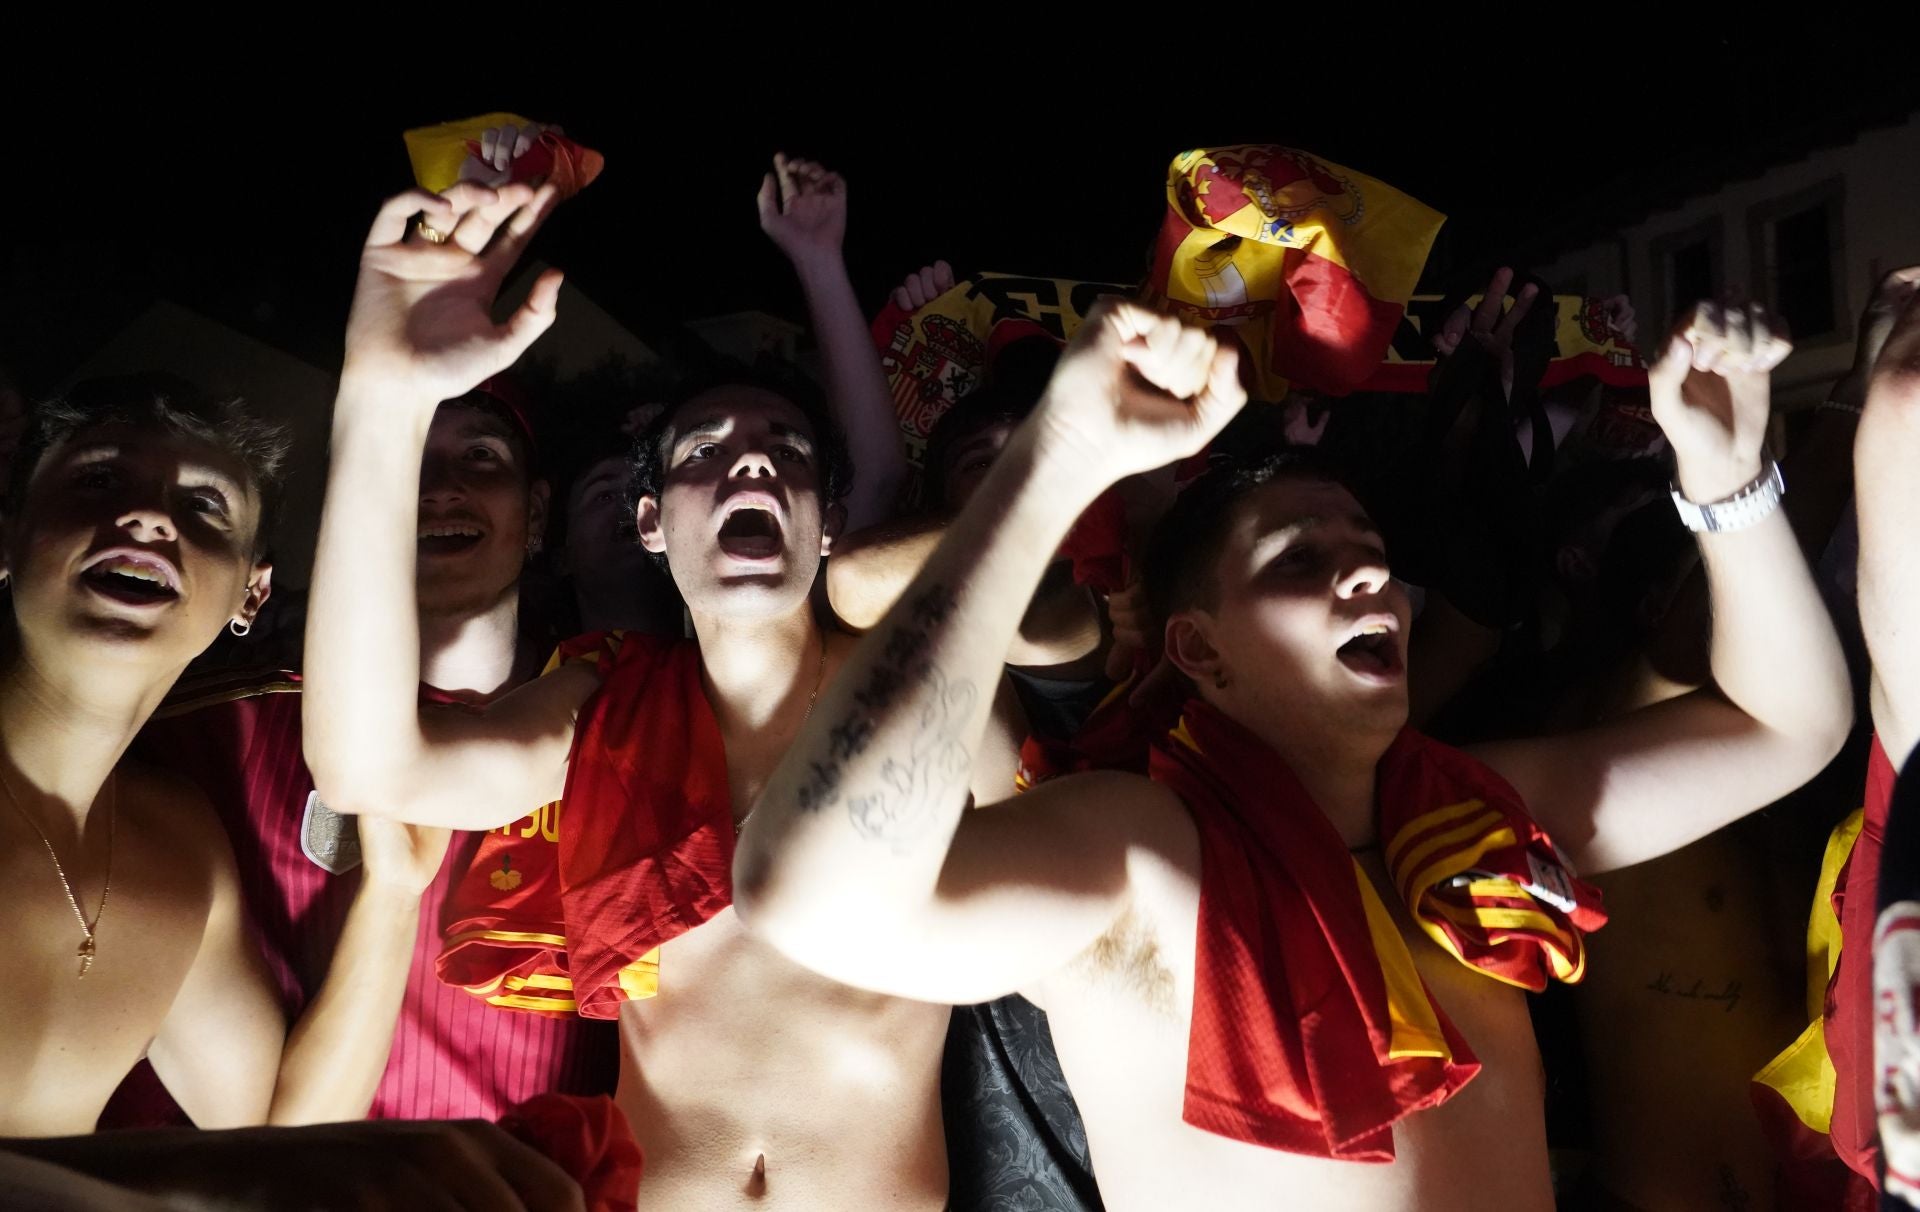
(169, 841)
(158, 801)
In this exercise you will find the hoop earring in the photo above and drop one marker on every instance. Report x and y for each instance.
(239, 627)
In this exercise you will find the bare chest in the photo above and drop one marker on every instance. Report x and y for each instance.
(68, 1045)
(1122, 1020)
(751, 1080)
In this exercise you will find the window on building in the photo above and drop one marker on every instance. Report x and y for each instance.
(1803, 272)
(1799, 255)
(1691, 272)
(1687, 267)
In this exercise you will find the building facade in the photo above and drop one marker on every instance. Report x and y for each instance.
(1808, 237)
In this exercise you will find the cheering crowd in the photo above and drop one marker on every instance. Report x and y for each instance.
(1178, 756)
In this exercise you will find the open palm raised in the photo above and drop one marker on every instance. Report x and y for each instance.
(422, 308)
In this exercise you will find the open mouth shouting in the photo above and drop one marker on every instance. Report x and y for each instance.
(1371, 650)
(446, 538)
(750, 527)
(132, 577)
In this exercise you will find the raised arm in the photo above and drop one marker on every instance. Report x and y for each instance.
(1887, 495)
(1780, 707)
(870, 569)
(803, 209)
(336, 1053)
(855, 861)
(224, 1051)
(419, 333)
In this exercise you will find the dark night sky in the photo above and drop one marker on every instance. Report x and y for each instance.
(246, 194)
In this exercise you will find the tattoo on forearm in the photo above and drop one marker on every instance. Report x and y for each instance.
(905, 805)
(1697, 991)
(936, 761)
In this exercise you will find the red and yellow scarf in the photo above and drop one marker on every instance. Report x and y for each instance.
(1312, 1030)
(569, 919)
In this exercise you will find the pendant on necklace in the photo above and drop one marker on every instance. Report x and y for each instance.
(85, 954)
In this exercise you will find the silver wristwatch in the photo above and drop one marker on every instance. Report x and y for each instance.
(1751, 504)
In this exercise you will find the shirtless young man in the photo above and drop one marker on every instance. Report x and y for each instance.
(747, 1079)
(860, 862)
(134, 533)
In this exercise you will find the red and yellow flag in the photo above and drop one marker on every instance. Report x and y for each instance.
(1584, 345)
(1310, 263)
(938, 354)
(450, 152)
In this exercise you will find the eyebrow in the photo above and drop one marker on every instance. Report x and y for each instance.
(1317, 521)
(703, 429)
(486, 427)
(715, 425)
(612, 476)
(976, 442)
(96, 452)
(229, 490)
(782, 430)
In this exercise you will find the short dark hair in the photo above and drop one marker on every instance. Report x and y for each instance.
(169, 404)
(651, 448)
(1187, 542)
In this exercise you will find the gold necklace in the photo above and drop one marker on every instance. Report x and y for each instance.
(85, 952)
(818, 674)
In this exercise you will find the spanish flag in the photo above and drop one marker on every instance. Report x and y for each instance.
(936, 355)
(1310, 263)
(1313, 1031)
(1584, 345)
(444, 154)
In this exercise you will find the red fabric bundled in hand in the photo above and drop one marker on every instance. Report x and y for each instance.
(1097, 545)
(588, 1138)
